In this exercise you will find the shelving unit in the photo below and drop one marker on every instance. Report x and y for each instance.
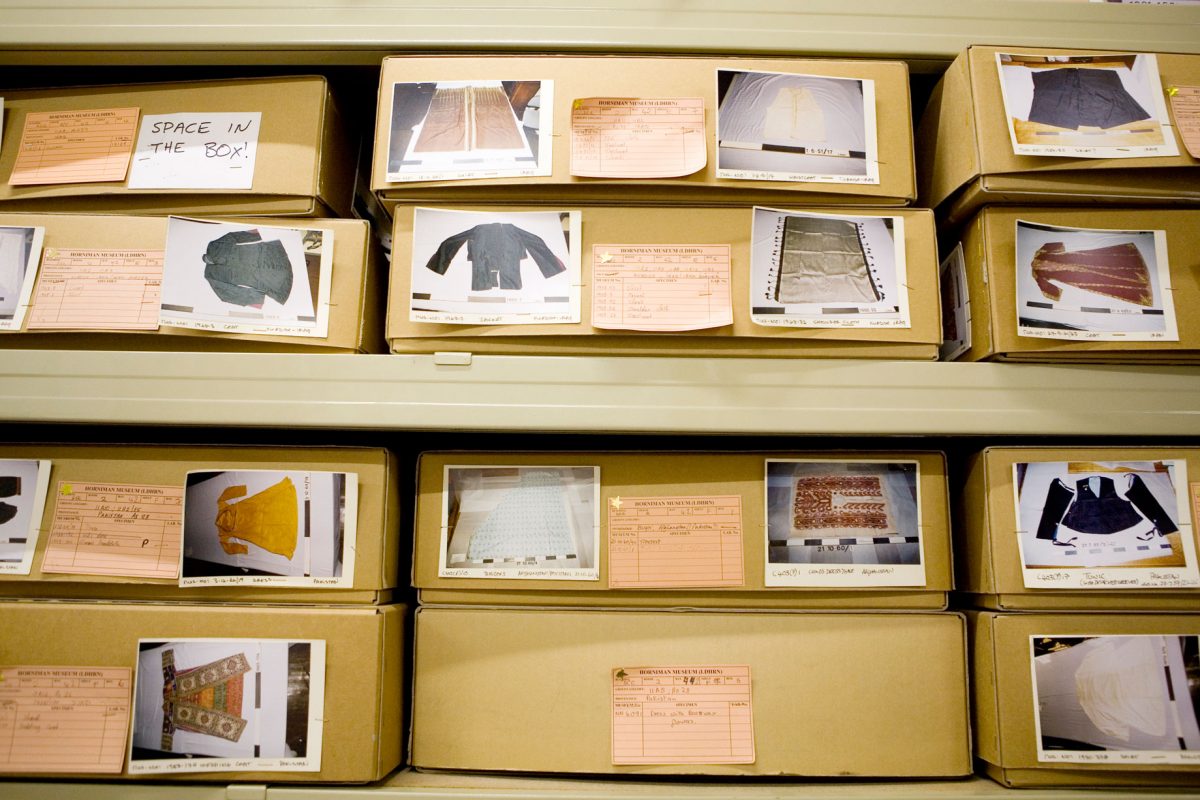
(69, 40)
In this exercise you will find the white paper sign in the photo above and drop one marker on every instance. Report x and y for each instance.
(196, 151)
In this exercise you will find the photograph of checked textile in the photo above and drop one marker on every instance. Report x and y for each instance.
(1116, 271)
(205, 699)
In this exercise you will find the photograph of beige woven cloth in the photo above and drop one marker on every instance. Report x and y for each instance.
(822, 261)
(469, 118)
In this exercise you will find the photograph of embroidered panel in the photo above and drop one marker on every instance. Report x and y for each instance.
(822, 261)
(790, 125)
(206, 701)
(1105, 106)
(1132, 694)
(1107, 284)
(504, 520)
(842, 512)
(1127, 514)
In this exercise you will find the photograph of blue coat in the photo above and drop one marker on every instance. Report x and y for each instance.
(244, 270)
(495, 251)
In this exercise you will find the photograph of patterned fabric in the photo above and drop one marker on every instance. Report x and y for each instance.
(787, 123)
(822, 261)
(501, 520)
(842, 512)
(1089, 514)
(1108, 282)
(201, 699)
(265, 522)
(1135, 694)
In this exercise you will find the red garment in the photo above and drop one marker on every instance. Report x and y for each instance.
(1115, 271)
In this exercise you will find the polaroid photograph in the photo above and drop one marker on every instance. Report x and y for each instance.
(843, 523)
(1093, 284)
(775, 126)
(23, 487)
(495, 267)
(221, 705)
(455, 130)
(269, 527)
(232, 277)
(20, 254)
(1116, 699)
(956, 306)
(1110, 525)
(827, 271)
(1101, 106)
(524, 522)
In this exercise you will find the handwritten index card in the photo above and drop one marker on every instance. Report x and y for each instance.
(634, 137)
(682, 715)
(115, 529)
(670, 542)
(63, 719)
(196, 151)
(1185, 105)
(661, 287)
(90, 146)
(98, 290)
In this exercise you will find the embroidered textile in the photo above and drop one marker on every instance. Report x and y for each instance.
(268, 519)
(839, 501)
(205, 699)
(1116, 271)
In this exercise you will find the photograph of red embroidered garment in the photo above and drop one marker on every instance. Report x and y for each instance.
(205, 699)
(1117, 271)
(860, 503)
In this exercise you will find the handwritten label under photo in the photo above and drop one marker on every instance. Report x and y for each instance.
(64, 719)
(526, 522)
(682, 715)
(100, 290)
(1049, 106)
(674, 542)
(1185, 106)
(637, 137)
(1105, 525)
(1093, 284)
(88, 146)
(23, 487)
(128, 530)
(196, 151)
(20, 255)
(811, 270)
(834, 523)
(228, 705)
(661, 287)
(1116, 699)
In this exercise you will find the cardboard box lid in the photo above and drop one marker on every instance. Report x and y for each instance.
(291, 171)
(866, 695)
(639, 76)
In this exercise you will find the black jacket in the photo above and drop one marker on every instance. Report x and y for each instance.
(495, 251)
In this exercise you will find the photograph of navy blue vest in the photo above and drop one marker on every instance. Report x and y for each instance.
(1072, 97)
(244, 270)
(1094, 507)
(495, 251)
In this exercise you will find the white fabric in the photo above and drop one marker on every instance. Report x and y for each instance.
(793, 110)
(1120, 686)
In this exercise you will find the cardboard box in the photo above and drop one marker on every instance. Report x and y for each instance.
(679, 226)
(1007, 720)
(304, 165)
(643, 480)
(995, 282)
(375, 559)
(356, 295)
(363, 693)
(966, 154)
(989, 544)
(575, 77)
(846, 695)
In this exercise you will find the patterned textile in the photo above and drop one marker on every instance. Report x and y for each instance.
(1116, 271)
(839, 501)
(529, 521)
(206, 699)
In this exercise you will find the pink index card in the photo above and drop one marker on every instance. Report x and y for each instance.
(91, 146)
(682, 715)
(98, 290)
(637, 137)
(1185, 105)
(115, 529)
(683, 287)
(671, 542)
(63, 719)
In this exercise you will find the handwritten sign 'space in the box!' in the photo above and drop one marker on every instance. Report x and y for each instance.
(196, 151)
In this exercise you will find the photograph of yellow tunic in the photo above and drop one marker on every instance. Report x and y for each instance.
(268, 519)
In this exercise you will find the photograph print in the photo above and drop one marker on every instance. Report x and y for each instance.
(1096, 106)
(292, 528)
(20, 254)
(1117, 698)
(1093, 284)
(777, 126)
(214, 705)
(447, 130)
(528, 522)
(23, 487)
(233, 277)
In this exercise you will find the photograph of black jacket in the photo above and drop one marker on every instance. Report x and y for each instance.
(243, 269)
(495, 251)
(1073, 96)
